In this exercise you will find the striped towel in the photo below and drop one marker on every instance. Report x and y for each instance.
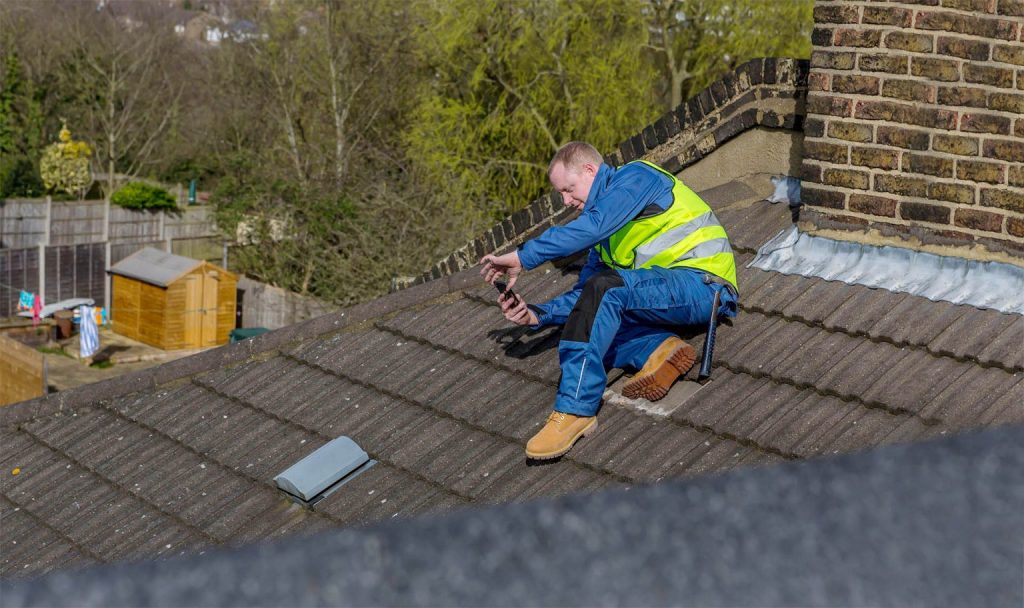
(89, 336)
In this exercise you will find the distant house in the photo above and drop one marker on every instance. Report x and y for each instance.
(172, 302)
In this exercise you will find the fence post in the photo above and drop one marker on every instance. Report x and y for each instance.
(106, 279)
(42, 272)
(106, 218)
(49, 219)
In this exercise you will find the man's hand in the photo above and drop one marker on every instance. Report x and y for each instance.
(514, 308)
(496, 266)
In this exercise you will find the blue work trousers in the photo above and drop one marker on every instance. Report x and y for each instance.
(620, 318)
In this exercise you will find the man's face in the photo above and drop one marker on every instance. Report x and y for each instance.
(573, 186)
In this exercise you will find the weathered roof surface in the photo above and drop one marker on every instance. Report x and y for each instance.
(895, 526)
(444, 394)
(154, 266)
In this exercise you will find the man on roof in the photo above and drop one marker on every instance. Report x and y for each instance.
(657, 257)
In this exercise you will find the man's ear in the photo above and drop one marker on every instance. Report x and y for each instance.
(590, 168)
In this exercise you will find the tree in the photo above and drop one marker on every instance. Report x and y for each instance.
(695, 42)
(513, 81)
(65, 165)
(122, 88)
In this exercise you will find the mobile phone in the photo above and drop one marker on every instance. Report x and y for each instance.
(503, 289)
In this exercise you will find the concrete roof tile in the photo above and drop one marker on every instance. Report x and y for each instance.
(973, 333)
(861, 312)
(1008, 408)
(914, 381)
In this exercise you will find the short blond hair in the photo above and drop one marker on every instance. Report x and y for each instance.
(574, 155)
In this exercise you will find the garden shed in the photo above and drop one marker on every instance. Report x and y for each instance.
(172, 302)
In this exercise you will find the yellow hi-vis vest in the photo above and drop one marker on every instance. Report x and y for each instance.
(687, 234)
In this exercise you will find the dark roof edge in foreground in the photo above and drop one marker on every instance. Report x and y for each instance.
(928, 524)
(230, 354)
(739, 101)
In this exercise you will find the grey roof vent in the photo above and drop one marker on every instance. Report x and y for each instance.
(316, 476)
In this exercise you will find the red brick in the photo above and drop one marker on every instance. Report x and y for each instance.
(1003, 199)
(829, 60)
(952, 192)
(977, 219)
(832, 106)
(966, 24)
(873, 205)
(910, 114)
(975, 50)
(810, 172)
(1006, 102)
(996, 77)
(909, 90)
(985, 123)
(819, 150)
(935, 69)
(821, 36)
(980, 171)
(902, 138)
(928, 165)
(836, 14)
(859, 85)
(900, 184)
(881, 62)
(959, 95)
(906, 41)
(814, 127)
(886, 15)
(878, 158)
(821, 197)
(955, 144)
(976, 6)
(1012, 8)
(1008, 53)
(819, 81)
(924, 212)
(858, 38)
(1015, 176)
(846, 178)
(850, 131)
(1015, 226)
(1004, 149)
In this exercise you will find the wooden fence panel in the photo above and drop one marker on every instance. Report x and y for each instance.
(128, 225)
(19, 270)
(22, 372)
(22, 223)
(76, 222)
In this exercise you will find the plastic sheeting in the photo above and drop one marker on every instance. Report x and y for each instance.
(994, 285)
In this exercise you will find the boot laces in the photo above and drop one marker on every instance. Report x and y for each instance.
(557, 417)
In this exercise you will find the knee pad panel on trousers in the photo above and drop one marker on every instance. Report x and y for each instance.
(581, 319)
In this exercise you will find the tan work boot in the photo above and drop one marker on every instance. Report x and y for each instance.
(671, 359)
(559, 434)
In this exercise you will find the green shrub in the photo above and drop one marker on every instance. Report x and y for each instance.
(18, 177)
(138, 195)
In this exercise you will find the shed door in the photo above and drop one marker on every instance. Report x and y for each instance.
(210, 285)
(193, 311)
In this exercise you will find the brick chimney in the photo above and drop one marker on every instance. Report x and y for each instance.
(915, 121)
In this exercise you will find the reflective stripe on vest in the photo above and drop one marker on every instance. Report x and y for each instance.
(687, 234)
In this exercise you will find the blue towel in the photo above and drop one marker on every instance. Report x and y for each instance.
(89, 336)
(25, 300)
